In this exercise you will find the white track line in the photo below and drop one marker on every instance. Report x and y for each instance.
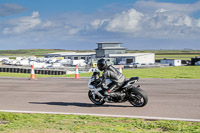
(106, 115)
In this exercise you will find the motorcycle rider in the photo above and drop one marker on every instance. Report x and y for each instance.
(117, 78)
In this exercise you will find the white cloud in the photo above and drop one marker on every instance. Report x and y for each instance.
(72, 30)
(198, 23)
(98, 23)
(35, 14)
(161, 23)
(126, 22)
(23, 24)
(148, 6)
(35, 25)
(160, 10)
(47, 24)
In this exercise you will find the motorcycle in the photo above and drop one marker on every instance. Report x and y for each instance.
(128, 92)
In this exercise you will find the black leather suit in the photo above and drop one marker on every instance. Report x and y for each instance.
(115, 76)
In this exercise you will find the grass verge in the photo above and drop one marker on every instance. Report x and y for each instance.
(40, 123)
(184, 72)
(179, 56)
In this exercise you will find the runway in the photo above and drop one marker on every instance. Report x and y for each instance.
(175, 99)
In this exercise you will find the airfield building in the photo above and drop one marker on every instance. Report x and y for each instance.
(133, 58)
(104, 49)
(111, 50)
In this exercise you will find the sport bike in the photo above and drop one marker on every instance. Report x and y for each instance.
(128, 92)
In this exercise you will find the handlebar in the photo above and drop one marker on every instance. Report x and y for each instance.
(95, 74)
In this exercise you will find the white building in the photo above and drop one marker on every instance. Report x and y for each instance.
(130, 58)
(171, 62)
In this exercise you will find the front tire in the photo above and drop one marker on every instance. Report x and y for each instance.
(97, 100)
(138, 97)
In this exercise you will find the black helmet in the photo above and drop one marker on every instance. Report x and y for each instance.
(101, 64)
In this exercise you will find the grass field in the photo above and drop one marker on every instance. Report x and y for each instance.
(179, 56)
(185, 72)
(47, 123)
(160, 52)
(170, 54)
(30, 52)
(36, 52)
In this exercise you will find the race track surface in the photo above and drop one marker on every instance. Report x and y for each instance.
(168, 98)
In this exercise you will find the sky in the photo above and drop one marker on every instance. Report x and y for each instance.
(80, 24)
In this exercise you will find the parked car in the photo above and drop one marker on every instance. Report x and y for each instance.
(122, 63)
(78, 62)
(136, 65)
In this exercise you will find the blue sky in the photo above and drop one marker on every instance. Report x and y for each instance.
(80, 24)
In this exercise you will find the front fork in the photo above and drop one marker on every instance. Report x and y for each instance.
(96, 92)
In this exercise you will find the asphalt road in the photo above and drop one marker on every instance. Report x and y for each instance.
(168, 98)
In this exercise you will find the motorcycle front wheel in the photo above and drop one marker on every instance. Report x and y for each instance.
(138, 97)
(96, 99)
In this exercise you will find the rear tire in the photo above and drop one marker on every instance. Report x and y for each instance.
(98, 100)
(138, 97)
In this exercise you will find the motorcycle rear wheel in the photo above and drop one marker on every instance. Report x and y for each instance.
(138, 97)
(97, 100)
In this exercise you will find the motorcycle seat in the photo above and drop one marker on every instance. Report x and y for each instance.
(134, 78)
(131, 79)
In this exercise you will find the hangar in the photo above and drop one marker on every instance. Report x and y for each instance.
(131, 58)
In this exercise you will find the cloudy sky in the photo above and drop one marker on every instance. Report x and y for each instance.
(80, 24)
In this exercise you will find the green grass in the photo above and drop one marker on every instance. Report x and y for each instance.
(39, 123)
(177, 56)
(6, 74)
(185, 72)
(29, 52)
(160, 52)
(36, 52)
(170, 54)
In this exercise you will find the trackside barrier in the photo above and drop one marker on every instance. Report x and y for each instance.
(28, 71)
